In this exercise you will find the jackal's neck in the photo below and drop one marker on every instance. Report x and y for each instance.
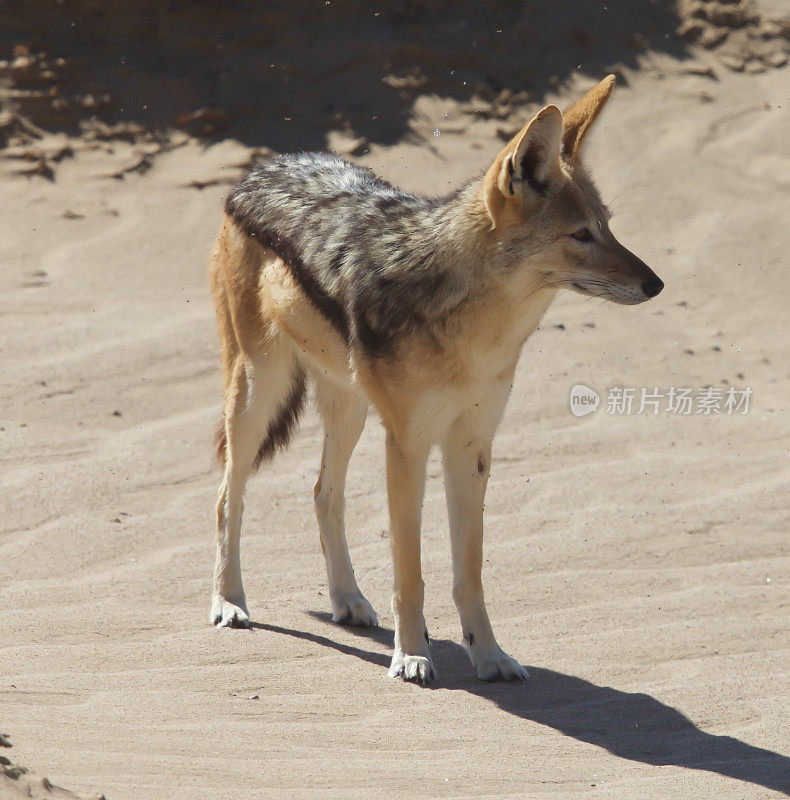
(456, 226)
(490, 261)
(459, 226)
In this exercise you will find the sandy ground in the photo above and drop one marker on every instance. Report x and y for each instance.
(639, 564)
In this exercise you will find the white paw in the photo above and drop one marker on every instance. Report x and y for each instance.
(494, 664)
(225, 614)
(412, 668)
(353, 609)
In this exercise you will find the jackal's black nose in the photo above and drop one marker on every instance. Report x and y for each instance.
(652, 287)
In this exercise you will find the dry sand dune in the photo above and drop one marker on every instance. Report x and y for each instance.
(638, 563)
(18, 782)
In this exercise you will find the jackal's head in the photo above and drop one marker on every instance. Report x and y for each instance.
(547, 215)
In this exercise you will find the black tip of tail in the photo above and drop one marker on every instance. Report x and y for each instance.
(281, 428)
(284, 424)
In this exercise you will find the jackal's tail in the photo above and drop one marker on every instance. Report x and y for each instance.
(272, 383)
(281, 426)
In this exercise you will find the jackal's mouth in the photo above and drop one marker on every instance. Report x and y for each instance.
(607, 290)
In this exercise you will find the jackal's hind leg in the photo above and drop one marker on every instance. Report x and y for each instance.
(344, 417)
(263, 392)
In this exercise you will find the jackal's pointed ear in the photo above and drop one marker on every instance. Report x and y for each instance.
(538, 150)
(523, 169)
(579, 118)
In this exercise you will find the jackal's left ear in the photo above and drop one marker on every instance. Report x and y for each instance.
(523, 169)
(578, 119)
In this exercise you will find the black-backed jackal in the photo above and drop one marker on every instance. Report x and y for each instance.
(420, 306)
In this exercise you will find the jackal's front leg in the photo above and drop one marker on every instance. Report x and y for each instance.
(405, 487)
(467, 459)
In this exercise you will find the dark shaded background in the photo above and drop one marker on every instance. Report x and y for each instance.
(282, 73)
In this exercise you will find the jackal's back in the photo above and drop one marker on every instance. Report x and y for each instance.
(375, 260)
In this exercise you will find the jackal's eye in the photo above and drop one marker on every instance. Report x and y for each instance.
(582, 235)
